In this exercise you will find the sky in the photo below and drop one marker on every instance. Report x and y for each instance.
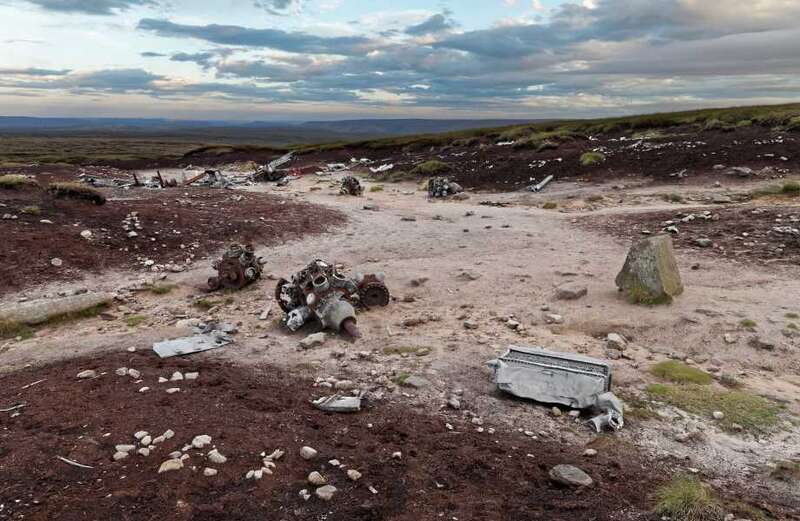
(334, 59)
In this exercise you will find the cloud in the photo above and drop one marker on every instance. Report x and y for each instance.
(93, 7)
(148, 54)
(297, 42)
(435, 24)
(33, 71)
(279, 7)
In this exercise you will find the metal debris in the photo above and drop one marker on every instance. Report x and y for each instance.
(382, 168)
(74, 463)
(270, 172)
(237, 268)
(210, 336)
(14, 407)
(338, 403)
(541, 186)
(443, 187)
(322, 291)
(577, 381)
(351, 186)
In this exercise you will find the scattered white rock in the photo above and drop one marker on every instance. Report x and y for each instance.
(616, 341)
(315, 478)
(209, 472)
(191, 376)
(89, 373)
(55, 261)
(397, 455)
(176, 454)
(86, 234)
(326, 492)
(140, 434)
(307, 453)
(718, 415)
(570, 476)
(158, 440)
(313, 340)
(201, 441)
(144, 389)
(334, 463)
(133, 373)
(216, 457)
(552, 318)
(590, 453)
(173, 390)
(176, 376)
(305, 494)
(122, 371)
(170, 465)
(168, 434)
(144, 451)
(146, 440)
(124, 448)
(354, 475)
(120, 456)
(162, 380)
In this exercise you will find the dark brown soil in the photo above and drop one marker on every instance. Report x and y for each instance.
(743, 234)
(485, 165)
(442, 475)
(177, 224)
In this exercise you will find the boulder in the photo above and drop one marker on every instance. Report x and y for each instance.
(650, 274)
(570, 476)
(571, 292)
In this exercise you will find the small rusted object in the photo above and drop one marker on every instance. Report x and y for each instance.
(351, 186)
(237, 268)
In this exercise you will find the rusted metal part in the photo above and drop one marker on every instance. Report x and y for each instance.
(237, 268)
(194, 179)
(351, 186)
(443, 187)
(322, 291)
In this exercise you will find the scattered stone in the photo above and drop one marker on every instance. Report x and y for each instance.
(176, 376)
(759, 343)
(590, 453)
(162, 380)
(146, 441)
(144, 389)
(730, 338)
(703, 242)
(144, 451)
(326, 492)
(55, 261)
(344, 385)
(354, 475)
(201, 441)
(335, 463)
(315, 478)
(191, 376)
(122, 371)
(124, 448)
(86, 234)
(168, 434)
(571, 292)
(216, 457)
(552, 318)
(140, 434)
(209, 472)
(555, 411)
(616, 341)
(469, 324)
(89, 373)
(173, 390)
(170, 465)
(176, 454)
(570, 476)
(313, 340)
(650, 274)
(397, 455)
(120, 456)
(417, 382)
(133, 373)
(307, 453)
(718, 415)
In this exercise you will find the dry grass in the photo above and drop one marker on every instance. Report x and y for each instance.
(686, 498)
(678, 372)
(76, 191)
(16, 182)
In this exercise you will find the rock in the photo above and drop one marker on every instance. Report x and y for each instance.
(146, 441)
(124, 448)
(325, 493)
(334, 463)
(555, 411)
(159, 439)
(176, 376)
(191, 376)
(613, 354)
(201, 441)
(454, 403)
(176, 454)
(703, 242)
(86, 234)
(307, 453)
(571, 292)
(144, 389)
(170, 465)
(590, 453)
(305, 494)
(397, 455)
(173, 390)
(313, 340)
(122, 371)
(344, 385)
(120, 455)
(616, 341)
(650, 274)
(144, 451)
(718, 415)
(209, 472)
(469, 324)
(315, 478)
(162, 380)
(89, 373)
(552, 318)
(133, 373)
(55, 261)
(216, 457)
(759, 343)
(168, 434)
(417, 382)
(354, 475)
(140, 434)
(570, 476)
(730, 338)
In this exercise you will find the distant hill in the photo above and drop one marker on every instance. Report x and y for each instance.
(333, 130)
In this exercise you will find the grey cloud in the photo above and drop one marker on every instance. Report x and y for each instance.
(93, 7)
(148, 54)
(295, 41)
(277, 7)
(435, 24)
(33, 71)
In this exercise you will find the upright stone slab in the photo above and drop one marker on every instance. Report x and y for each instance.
(650, 274)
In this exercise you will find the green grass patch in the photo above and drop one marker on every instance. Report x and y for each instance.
(204, 304)
(162, 289)
(78, 191)
(753, 413)
(16, 182)
(748, 324)
(686, 498)
(786, 189)
(639, 295)
(786, 471)
(432, 167)
(31, 210)
(673, 198)
(792, 325)
(595, 198)
(678, 372)
(792, 316)
(401, 378)
(550, 205)
(592, 158)
(135, 320)
(14, 329)
(376, 188)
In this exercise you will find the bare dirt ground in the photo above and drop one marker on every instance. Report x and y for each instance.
(455, 261)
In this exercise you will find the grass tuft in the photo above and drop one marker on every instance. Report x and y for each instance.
(204, 304)
(14, 329)
(135, 320)
(376, 188)
(16, 182)
(432, 167)
(592, 158)
(786, 471)
(678, 372)
(162, 289)
(686, 498)
(31, 210)
(550, 205)
(752, 413)
(76, 191)
(748, 324)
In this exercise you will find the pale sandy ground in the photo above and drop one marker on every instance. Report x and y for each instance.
(519, 254)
